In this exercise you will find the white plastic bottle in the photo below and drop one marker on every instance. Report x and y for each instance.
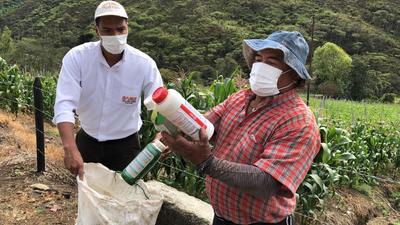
(160, 122)
(181, 113)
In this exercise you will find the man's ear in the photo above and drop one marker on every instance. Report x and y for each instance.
(97, 30)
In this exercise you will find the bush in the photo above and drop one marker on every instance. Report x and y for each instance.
(388, 98)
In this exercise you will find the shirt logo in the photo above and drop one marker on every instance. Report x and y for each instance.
(128, 99)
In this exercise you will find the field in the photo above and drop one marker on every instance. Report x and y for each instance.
(348, 112)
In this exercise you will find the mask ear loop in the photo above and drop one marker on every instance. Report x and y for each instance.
(286, 71)
(290, 84)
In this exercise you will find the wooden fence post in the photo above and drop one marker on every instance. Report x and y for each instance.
(38, 103)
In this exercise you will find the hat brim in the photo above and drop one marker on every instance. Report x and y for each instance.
(111, 14)
(289, 58)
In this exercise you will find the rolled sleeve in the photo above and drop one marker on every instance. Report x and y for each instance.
(64, 117)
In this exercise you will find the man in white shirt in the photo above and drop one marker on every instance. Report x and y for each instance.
(102, 82)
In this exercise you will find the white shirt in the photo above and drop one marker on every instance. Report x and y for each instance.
(107, 99)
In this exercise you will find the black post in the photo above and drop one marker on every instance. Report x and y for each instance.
(38, 102)
(311, 57)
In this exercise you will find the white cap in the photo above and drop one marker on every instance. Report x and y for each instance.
(110, 8)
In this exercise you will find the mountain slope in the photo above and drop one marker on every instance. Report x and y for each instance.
(206, 36)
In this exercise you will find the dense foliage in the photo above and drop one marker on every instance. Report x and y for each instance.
(205, 37)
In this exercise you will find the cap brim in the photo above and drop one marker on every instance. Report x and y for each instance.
(111, 14)
(289, 58)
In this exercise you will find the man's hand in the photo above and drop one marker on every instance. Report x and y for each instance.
(73, 161)
(72, 157)
(196, 152)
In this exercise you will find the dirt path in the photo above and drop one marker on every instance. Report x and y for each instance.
(20, 203)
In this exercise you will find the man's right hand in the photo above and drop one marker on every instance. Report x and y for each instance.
(72, 157)
(73, 161)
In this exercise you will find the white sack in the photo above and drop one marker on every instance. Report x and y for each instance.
(105, 198)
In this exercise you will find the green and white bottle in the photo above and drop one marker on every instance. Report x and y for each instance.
(143, 162)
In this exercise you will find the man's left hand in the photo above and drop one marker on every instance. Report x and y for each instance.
(193, 151)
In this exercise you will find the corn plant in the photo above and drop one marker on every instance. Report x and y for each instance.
(324, 173)
(222, 88)
(49, 84)
(376, 147)
(12, 90)
(3, 64)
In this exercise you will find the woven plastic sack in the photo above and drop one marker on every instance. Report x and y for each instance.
(105, 198)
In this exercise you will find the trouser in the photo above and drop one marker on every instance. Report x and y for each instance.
(114, 154)
(221, 221)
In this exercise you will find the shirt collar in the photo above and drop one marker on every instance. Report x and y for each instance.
(103, 61)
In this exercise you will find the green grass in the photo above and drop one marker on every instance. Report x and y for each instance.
(348, 112)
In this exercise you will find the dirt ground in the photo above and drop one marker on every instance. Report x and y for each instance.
(21, 203)
(352, 207)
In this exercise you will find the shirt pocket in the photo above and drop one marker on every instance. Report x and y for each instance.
(248, 149)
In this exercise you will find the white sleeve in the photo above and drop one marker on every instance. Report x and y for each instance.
(152, 81)
(68, 90)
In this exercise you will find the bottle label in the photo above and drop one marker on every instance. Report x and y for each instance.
(192, 115)
(139, 163)
(189, 120)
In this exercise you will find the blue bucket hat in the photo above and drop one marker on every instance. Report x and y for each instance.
(292, 44)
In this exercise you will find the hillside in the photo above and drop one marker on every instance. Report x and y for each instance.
(206, 36)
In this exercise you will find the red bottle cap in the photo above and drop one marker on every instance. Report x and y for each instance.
(159, 94)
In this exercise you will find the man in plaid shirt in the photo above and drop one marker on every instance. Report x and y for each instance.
(265, 137)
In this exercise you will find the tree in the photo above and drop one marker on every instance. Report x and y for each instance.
(226, 66)
(359, 84)
(332, 68)
(367, 82)
(7, 45)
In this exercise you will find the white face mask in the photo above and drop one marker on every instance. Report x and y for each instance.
(264, 79)
(114, 44)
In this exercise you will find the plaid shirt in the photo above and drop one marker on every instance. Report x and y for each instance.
(281, 138)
